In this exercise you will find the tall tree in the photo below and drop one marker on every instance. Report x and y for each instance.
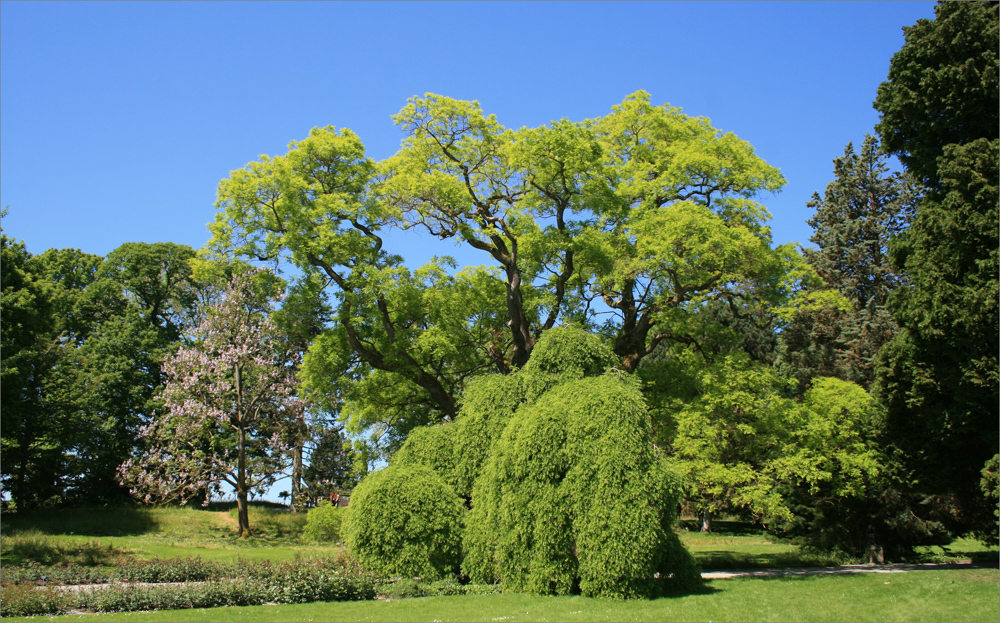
(860, 212)
(32, 442)
(939, 376)
(233, 415)
(646, 212)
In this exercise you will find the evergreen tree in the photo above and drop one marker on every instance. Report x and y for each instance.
(860, 212)
(939, 376)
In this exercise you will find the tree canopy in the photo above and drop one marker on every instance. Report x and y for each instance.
(939, 376)
(627, 224)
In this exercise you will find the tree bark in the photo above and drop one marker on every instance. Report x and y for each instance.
(706, 521)
(241, 488)
(296, 476)
(241, 464)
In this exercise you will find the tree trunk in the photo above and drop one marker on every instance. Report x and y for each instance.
(706, 521)
(241, 464)
(295, 502)
(241, 488)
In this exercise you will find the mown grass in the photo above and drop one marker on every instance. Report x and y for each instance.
(169, 532)
(740, 545)
(100, 535)
(966, 595)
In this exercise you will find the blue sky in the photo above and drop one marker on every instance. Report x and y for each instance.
(119, 119)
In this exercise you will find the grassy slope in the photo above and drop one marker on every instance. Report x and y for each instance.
(915, 596)
(165, 532)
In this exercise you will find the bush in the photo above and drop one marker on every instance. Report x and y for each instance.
(574, 498)
(323, 523)
(405, 521)
(433, 447)
(257, 582)
(25, 600)
(192, 569)
(488, 404)
(56, 574)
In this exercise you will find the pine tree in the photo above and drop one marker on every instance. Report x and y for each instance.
(859, 213)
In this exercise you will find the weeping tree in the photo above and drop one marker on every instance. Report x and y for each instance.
(232, 415)
(556, 463)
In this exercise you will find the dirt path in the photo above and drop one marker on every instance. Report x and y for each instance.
(841, 570)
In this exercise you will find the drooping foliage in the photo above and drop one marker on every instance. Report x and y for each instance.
(939, 377)
(405, 522)
(557, 464)
(573, 498)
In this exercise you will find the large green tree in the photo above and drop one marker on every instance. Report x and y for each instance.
(939, 376)
(34, 441)
(644, 215)
(860, 212)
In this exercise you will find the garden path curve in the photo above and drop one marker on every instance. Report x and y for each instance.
(841, 570)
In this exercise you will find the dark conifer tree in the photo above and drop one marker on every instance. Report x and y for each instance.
(859, 213)
(938, 378)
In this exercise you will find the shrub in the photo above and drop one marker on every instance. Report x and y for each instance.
(56, 574)
(574, 498)
(433, 447)
(192, 569)
(405, 521)
(24, 600)
(404, 588)
(488, 404)
(323, 523)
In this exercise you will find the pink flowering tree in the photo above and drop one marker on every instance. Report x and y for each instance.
(232, 414)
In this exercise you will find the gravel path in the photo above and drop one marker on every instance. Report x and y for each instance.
(841, 570)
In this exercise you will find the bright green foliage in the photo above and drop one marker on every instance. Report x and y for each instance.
(860, 212)
(646, 210)
(558, 467)
(402, 340)
(323, 523)
(565, 354)
(728, 435)
(831, 444)
(405, 522)
(433, 447)
(488, 404)
(574, 497)
(939, 377)
(833, 469)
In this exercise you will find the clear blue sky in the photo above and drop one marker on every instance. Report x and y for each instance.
(117, 119)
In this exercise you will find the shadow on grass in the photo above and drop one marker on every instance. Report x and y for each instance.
(724, 527)
(93, 521)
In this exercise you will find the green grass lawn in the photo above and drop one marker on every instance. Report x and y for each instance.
(172, 532)
(102, 534)
(967, 595)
